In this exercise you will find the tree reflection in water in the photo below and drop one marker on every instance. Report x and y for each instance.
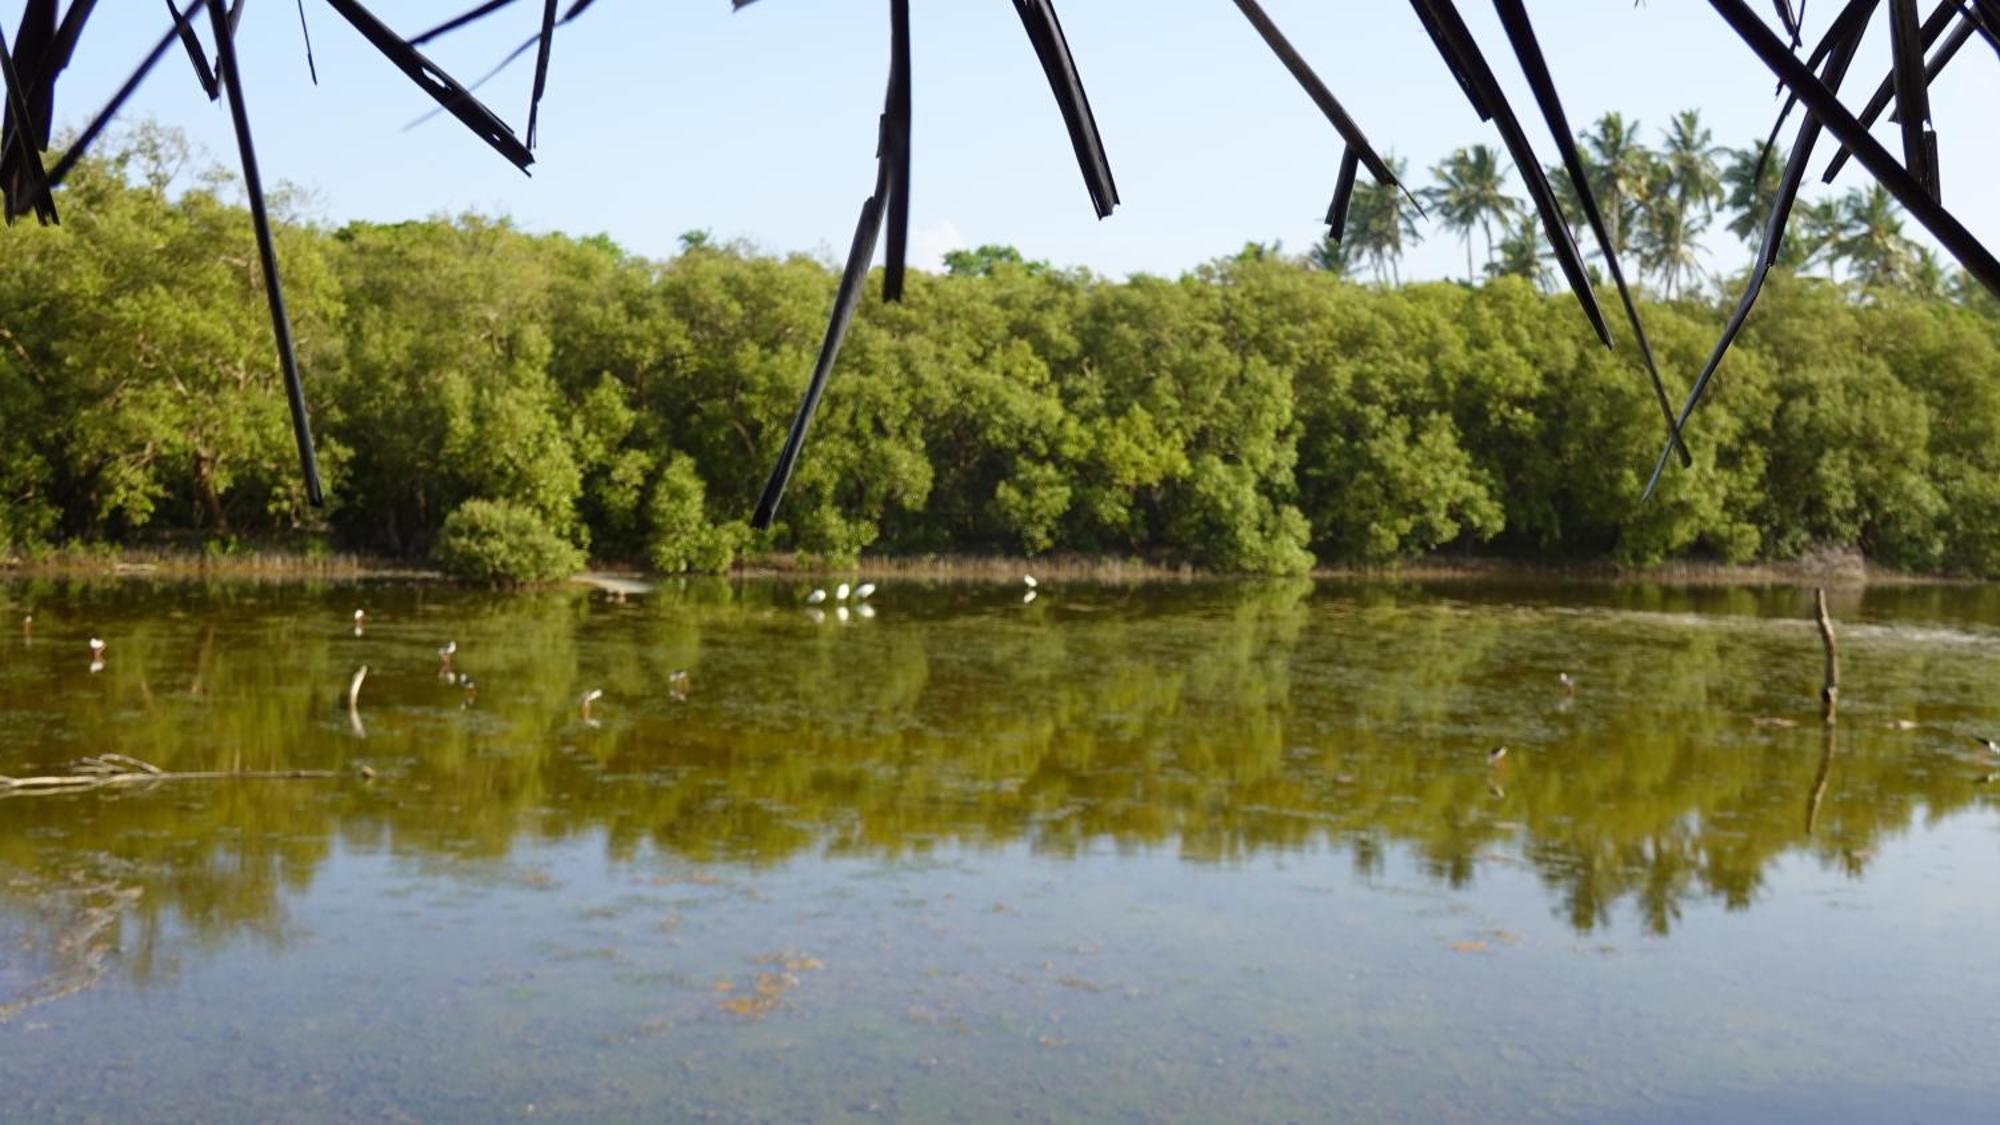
(1222, 721)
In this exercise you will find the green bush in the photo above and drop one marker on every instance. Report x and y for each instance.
(503, 542)
(680, 537)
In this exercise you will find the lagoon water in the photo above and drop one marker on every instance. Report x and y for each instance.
(1212, 851)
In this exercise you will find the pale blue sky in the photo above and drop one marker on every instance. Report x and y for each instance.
(760, 124)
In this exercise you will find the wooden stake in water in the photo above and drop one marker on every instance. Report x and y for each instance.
(1829, 692)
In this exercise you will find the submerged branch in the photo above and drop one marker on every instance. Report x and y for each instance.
(117, 769)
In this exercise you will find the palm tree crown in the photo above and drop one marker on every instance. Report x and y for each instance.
(1471, 191)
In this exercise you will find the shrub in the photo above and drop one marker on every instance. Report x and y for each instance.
(503, 542)
(680, 538)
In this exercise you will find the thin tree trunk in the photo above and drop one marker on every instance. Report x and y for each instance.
(204, 479)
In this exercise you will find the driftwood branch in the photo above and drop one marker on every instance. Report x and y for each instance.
(1829, 692)
(117, 769)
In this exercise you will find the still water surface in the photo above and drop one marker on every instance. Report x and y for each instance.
(1169, 852)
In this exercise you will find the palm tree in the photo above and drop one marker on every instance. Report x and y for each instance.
(1337, 257)
(1750, 188)
(1814, 227)
(1381, 224)
(1385, 221)
(1618, 167)
(1688, 163)
(1523, 253)
(1668, 243)
(1471, 192)
(1682, 186)
(1870, 239)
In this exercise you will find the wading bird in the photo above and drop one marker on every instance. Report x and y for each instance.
(1029, 580)
(1495, 755)
(679, 685)
(816, 597)
(1991, 746)
(360, 616)
(862, 591)
(590, 697)
(445, 652)
(1568, 685)
(28, 627)
(840, 592)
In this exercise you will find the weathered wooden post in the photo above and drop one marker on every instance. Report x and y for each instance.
(1829, 692)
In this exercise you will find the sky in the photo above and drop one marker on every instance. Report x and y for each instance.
(760, 124)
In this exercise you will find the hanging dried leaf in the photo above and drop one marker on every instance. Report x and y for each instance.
(231, 77)
(1453, 32)
(442, 87)
(1521, 33)
(1045, 32)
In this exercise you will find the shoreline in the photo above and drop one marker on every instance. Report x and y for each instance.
(1838, 569)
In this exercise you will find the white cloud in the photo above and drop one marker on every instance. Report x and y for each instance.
(929, 244)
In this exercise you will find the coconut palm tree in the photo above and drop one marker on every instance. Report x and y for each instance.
(1471, 191)
(1688, 163)
(1750, 188)
(1524, 252)
(1669, 243)
(1386, 221)
(1381, 224)
(1341, 258)
(1869, 238)
(1618, 167)
(1682, 186)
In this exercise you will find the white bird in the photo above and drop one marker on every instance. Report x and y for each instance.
(862, 591)
(96, 649)
(1494, 755)
(590, 697)
(1992, 747)
(1568, 685)
(1030, 580)
(354, 688)
(840, 592)
(444, 658)
(678, 685)
(360, 616)
(816, 597)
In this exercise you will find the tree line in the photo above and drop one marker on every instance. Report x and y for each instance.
(1659, 206)
(506, 402)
